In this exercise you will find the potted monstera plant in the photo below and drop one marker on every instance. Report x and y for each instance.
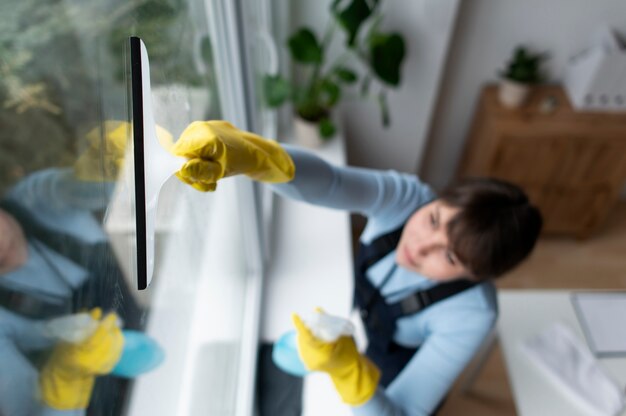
(369, 54)
(522, 71)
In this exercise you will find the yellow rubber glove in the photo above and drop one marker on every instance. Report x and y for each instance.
(66, 380)
(355, 377)
(217, 149)
(105, 154)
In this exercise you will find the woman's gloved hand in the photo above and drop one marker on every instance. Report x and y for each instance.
(67, 379)
(217, 149)
(355, 377)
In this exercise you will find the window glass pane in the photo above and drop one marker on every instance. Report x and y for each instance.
(263, 59)
(67, 232)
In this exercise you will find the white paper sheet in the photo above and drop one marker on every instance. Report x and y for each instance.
(602, 317)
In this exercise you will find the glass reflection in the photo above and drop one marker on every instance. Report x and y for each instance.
(69, 315)
(55, 260)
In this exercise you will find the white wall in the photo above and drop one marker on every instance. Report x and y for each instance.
(427, 26)
(487, 31)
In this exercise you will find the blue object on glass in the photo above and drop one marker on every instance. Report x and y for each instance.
(285, 355)
(140, 354)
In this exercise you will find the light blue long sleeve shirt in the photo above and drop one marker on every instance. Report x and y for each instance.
(448, 333)
(62, 203)
(19, 380)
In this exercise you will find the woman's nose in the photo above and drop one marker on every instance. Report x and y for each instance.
(432, 243)
(424, 248)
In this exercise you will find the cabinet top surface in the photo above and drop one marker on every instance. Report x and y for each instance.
(537, 106)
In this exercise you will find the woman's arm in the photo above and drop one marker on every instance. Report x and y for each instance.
(216, 149)
(59, 190)
(27, 334)
(370, 192)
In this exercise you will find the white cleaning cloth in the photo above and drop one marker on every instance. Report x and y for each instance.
(569, 363)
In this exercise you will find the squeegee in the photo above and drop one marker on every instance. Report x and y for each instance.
(147, 152)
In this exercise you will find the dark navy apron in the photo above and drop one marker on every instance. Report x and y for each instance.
(379, 317)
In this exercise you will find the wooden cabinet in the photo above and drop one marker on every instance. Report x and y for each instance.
(572, 164)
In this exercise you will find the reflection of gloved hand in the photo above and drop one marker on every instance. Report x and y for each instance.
(355, 377)
(68, 377)
(217, 149)
(104, 156)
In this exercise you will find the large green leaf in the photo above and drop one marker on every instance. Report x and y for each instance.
(386, 55)
(304, 47)
(311, 110)
(330, 93)
(346, 75)
(352, 17)
(276, 90)
(327, 128)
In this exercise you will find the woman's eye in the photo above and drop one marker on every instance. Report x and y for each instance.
(433, 221)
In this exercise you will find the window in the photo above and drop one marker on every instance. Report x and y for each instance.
(68, 237)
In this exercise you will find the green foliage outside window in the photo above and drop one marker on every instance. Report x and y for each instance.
(62, 71)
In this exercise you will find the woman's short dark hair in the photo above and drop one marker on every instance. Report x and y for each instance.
(496, 227)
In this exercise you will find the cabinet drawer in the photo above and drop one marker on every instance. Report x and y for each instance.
(531, 160)
(567, 210)
(593, 161)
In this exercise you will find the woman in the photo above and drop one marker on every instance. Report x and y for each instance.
(424, 275)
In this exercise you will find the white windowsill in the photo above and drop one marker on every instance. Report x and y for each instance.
(310, 265)
(192, 317)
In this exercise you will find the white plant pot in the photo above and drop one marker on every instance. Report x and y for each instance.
(307, 133)
(512, 94)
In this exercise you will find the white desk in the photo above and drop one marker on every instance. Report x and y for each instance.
(523, 314)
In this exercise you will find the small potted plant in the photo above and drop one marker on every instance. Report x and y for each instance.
(522, 71)
(320, 84)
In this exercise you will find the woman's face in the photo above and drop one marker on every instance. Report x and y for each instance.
(13, 246)
(423, 246)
